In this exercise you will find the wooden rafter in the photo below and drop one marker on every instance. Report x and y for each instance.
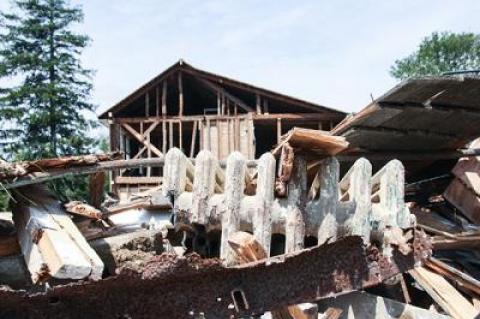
(218, 89)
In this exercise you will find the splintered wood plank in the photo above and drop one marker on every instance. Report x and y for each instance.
(313, 141)
(468, 171)
(452, 273)
(45, 228)
(444, 294)
(464, 199)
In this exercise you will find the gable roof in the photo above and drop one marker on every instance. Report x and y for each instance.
(219, 80)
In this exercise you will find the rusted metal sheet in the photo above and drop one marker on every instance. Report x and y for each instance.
(184, 287)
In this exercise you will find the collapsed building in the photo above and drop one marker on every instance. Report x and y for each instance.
(218, 217)
(195, 110)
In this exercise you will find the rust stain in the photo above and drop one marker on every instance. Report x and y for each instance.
(183, 287)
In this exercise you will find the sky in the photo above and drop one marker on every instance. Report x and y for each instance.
(334, 53)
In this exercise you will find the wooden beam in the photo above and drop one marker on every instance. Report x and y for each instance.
(258, 103)
(265, 93)
(164, 114)
(444, 294)
(59, 246)
(141, 138)
(83, 209)
(279, 130)
(462, 279)
(295, 117)
(180, 94)
(223, 105)
(194, 139)
(164, 98)
(149, 153)
(48, 175)
(180, 135)
(202, 137)
(157, 101)
(147, 104)
(170, 134)
(410, 156)
(135, 180)
(215, 88)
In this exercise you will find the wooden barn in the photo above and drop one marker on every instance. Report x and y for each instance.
(192, 109)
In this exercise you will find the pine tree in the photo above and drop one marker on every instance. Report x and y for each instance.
(47, 102)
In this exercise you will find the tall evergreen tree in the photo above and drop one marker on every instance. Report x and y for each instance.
(47, 101)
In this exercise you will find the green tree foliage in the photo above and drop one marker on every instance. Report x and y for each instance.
(48, 103)
(440, 53)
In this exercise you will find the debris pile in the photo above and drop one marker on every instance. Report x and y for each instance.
(377, 219)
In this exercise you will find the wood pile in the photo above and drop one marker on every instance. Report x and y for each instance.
(324, 226)
(65, 242)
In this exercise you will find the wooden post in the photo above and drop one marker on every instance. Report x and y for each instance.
(258, 103)
(164, 114)
(114, 146)
(279, 130)
(164, 98)
(234, 187)
(170, 133)
(223, 105)
(149, 153)
(250, 140)
(265, 106)
(194, 139)
(202, 137)
(157, 101)
(180, 135)
(147, 104)
(236, 133)
(180, 94)
(208, 145)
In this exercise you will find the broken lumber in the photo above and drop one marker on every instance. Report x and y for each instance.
(362, 305)
(444, 294)
(464, 191)
(462, 279)
(50, 174)
(83, 209)
(248, 249)
(51, 243)
(315, 141)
